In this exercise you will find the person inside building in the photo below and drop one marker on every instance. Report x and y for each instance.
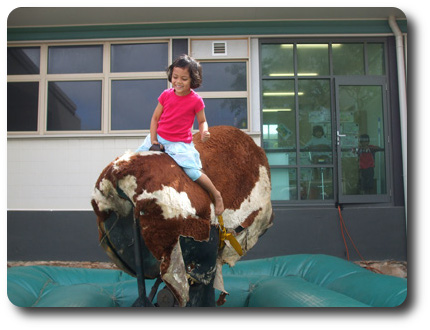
(319, 146)
(366, 155)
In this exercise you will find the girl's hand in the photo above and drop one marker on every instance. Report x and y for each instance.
(156, 146)
(205, 136)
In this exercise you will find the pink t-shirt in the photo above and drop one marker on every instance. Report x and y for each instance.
(177, 119)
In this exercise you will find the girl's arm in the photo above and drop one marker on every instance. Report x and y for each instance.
(375, 148)
(154, 123)
(203, 125)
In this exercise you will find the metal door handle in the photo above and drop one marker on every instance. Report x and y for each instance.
(339, 136)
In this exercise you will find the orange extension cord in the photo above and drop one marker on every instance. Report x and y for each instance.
(343, 231)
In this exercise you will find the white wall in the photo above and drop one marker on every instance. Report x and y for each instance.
(59, 173)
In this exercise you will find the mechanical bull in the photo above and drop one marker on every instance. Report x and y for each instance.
(178, 226)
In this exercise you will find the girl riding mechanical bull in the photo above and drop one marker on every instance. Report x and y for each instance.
(179, 219)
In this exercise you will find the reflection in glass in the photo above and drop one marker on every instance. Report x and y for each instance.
(23, 60)
(312, 60)
(22, 105)
(75, 59)
(316, 183)
(277, 60)
(279, 128)
(375, 57)
(284, 184)
(74, 105)
(315, 122)
(348, 59)
(139, 57)
(362, 148)
(133, 103)
(223, 76)
(231, 112)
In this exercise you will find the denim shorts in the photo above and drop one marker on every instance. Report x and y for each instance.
(185, 154)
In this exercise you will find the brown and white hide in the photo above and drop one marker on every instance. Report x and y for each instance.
(169, 204)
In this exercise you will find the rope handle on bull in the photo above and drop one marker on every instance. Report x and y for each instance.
(223, 235)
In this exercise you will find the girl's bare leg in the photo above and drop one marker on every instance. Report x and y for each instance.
(207, 184)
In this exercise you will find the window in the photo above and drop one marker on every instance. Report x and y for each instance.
(223, 76)
(299, 119)
(225, 94)
(22, 102)
(74, 101)
(312, 60)
(74, 105)
(277, 60)
(348, 59)
(133, 102)
(23, 65)
(89, 88)
(112, 87)
(227, 111)
(75, 59)
(138, 57)
(23, 60)
(376, 58)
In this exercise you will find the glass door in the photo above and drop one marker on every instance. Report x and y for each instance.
(360, 139)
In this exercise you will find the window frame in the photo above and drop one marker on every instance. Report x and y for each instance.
(106, 77)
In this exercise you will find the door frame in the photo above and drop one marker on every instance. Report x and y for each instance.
(362, 81)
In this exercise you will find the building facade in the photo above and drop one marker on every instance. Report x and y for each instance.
(319, 90)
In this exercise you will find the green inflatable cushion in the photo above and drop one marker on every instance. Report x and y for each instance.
(286, 281)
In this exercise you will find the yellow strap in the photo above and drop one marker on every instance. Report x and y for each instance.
(223, 235)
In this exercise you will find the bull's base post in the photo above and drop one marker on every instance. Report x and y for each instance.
(142, 300)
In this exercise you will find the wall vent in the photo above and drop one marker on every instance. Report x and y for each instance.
(219, 48)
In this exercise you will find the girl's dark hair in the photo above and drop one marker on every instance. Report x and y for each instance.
(364, 138)
(185, 61)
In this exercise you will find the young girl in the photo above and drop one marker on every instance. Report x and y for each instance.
(173, 119)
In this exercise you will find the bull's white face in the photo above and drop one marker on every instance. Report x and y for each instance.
(257, 201)
(257, 198)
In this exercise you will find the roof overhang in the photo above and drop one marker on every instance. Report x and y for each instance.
(84, 16)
